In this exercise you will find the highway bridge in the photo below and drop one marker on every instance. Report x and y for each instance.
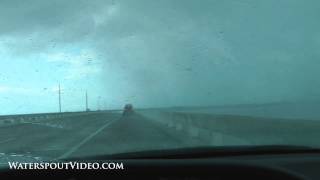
(72, 135)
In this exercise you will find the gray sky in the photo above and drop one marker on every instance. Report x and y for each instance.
(157, 53)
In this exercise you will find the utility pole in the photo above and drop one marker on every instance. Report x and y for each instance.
(87, 108)
(59, 98)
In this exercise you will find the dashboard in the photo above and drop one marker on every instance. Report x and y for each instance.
(275, 166)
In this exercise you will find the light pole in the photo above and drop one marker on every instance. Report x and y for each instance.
(59, 98)
(98, 103)
(87, 108)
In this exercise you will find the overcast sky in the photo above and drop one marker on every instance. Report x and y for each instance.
(157, 53)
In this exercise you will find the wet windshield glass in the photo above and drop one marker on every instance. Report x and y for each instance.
(82, 78)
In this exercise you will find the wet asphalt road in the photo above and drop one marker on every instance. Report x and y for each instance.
(90, 135)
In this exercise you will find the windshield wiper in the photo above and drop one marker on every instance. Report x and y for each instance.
(207, 152)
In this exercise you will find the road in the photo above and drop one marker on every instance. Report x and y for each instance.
(89, 135)
(104, 133)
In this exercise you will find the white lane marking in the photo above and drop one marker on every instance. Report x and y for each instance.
(7, 140)
(88, 138)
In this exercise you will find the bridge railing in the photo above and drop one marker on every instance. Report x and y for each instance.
(27, 118)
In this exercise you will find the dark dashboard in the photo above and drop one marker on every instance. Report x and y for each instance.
(293, 165)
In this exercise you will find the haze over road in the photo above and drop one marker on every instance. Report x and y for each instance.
(289, 110)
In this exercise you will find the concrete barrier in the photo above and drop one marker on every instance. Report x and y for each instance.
(194, 127)
(239, 130)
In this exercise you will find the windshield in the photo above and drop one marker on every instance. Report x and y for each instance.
(84, 78)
